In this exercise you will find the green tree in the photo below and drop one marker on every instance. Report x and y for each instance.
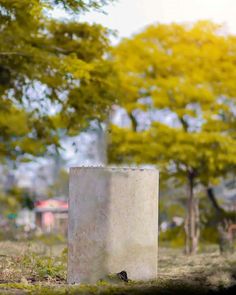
(183, 73)
(55, 75)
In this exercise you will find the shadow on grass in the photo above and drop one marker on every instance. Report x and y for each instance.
(162, 288)
(179, 288)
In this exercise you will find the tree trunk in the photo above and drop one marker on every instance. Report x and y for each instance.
(213, 200)
(225, 237)
(223, 224)
(192, 219)
(134, 122)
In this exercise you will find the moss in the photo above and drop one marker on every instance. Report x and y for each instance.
(167, 287)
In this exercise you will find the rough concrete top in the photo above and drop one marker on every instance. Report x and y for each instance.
(110, 168)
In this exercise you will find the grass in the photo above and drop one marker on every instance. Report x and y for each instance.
(36, 268)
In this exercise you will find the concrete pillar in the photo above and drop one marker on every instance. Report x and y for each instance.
(113, 223)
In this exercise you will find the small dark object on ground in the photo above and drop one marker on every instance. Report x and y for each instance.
(123, 276)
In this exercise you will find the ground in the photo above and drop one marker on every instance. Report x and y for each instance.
(40, 268)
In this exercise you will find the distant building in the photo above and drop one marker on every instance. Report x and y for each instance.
(52, 216)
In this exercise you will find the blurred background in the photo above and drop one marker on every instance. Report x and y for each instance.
(133, 83)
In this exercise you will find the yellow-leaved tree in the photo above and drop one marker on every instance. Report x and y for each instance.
(54, 74)
(181, 77)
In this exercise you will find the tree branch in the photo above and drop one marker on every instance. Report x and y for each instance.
(213, 200)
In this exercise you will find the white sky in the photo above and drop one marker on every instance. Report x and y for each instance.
(130, 16)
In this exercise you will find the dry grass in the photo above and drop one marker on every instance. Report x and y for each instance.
(208, 268)
(25, 263)
(39, 269)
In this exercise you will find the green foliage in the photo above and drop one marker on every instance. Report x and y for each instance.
(45, 267)
(9, 203)
(175, 209)
(173, 237)
(79, 5)
(209, 235)
(53, 74)
(15, 199)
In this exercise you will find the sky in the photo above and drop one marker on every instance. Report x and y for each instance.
(131, 16)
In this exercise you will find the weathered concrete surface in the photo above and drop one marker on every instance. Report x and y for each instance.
(113, 223)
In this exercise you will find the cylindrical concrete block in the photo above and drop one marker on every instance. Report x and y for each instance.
(113, 223)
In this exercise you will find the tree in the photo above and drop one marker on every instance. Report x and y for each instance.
(182, 77)
(54, 74)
